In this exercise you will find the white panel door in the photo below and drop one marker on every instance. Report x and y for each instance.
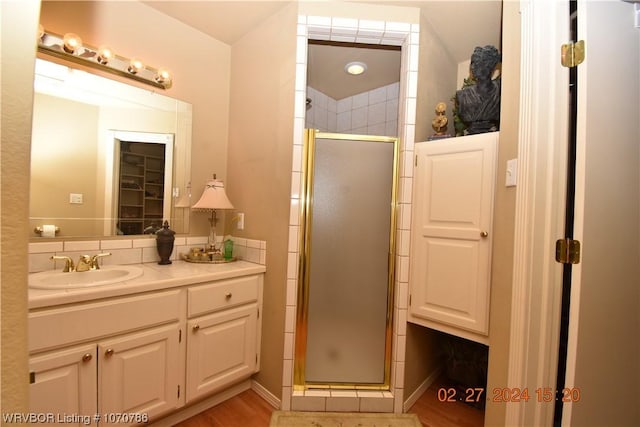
(604, 319)
(64, 382)
(454, 182)
(221, 349)
(140, 372)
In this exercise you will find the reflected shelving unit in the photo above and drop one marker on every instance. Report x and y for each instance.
(141, 187)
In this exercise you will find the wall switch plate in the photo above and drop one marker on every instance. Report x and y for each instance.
(76, 198)
(512, 172)
(241, 221)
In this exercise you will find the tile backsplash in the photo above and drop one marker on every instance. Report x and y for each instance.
(133, 251)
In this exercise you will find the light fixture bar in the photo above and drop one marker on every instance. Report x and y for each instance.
(53, 45)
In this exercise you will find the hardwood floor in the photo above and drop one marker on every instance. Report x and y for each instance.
(434, 413)
(244, 410)
(250, 410)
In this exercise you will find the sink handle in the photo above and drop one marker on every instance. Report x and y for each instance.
(68, 262)
(94, 260)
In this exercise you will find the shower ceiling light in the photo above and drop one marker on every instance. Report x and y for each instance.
(355, 68)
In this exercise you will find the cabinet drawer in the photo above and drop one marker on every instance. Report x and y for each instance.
(222, 294)
(68, 325)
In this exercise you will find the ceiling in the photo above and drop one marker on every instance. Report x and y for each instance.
(325, 69)
(460, 25)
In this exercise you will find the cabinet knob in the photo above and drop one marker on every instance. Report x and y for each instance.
(87, 357)
(195, 328)
(109, 352)
(484, 234)
(228, 295)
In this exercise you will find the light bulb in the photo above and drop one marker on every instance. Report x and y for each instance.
(105, 54)
(135, 65)
(163, 76)
(71, 42)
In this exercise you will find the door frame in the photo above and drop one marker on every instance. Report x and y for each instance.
(540, 204)
(112, 172)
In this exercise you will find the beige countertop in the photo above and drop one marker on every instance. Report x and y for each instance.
(154, 277)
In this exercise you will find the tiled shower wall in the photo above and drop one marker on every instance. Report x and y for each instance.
(407, 36)
(369, 113)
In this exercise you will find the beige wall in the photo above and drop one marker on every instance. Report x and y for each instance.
(64, 160)
(437, 82)
(199, 63)
(18, 26)
(260, 158)
(504, 215)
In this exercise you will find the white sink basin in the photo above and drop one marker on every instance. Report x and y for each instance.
(107, 275)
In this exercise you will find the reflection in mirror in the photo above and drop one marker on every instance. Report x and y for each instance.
(87, 132)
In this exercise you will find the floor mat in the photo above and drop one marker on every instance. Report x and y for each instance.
(342, 419)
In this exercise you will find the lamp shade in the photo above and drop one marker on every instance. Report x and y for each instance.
(213, 197)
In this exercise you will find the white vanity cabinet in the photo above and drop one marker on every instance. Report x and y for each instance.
(146, 351)
(140, 373)
(126, 372)
(223, 334)
(64, 382)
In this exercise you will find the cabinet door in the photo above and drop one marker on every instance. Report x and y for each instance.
(454, 182)
(64, 382)
(221, 349)
(140, 372)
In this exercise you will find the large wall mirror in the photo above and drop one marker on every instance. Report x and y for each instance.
(107, 159)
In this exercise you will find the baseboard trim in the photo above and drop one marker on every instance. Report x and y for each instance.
(413, 398)
(269, 397)
(191, 410)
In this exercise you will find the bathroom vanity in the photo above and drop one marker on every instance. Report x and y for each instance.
(134, 351)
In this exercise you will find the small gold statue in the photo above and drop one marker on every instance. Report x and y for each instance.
(439, 123)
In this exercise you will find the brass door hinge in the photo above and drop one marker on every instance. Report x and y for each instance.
(568, 251)
(572, 54)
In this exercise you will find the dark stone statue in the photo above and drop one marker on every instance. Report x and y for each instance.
(479, 104)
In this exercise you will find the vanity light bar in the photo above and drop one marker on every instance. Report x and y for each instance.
(70, 48)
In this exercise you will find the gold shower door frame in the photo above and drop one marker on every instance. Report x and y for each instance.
(306, 212)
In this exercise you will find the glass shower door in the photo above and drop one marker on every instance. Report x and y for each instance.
(348, 258)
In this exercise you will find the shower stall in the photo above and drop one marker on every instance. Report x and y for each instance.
(346, 269)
